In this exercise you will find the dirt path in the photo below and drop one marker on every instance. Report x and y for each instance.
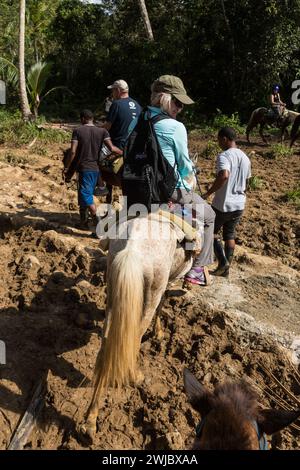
(52, 295)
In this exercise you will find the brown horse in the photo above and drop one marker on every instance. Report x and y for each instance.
(262, 117)
(295, 131)
(231, 418)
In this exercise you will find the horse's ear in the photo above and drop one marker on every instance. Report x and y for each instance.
(199, 397)
(271, 421)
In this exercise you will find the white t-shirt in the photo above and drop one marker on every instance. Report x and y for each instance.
(231, 197)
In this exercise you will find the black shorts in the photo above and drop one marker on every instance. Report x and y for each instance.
(227, 220)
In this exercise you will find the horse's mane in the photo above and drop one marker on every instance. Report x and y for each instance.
(234, 406)
(240, 396)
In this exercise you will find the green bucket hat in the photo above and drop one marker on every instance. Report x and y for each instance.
(174, 86)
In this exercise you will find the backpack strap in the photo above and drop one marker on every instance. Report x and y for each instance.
(155, 119)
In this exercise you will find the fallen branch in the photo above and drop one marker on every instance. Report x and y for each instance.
(25, 427)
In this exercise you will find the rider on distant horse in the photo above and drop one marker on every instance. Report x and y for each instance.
(277, 105)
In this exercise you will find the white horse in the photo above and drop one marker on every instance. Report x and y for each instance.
(138, 271)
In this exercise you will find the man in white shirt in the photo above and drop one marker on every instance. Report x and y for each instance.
(233, 169)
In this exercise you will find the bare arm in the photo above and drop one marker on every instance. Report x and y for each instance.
(280, 102)
(106, 125)
(113, 148)
(219, 182)
(74, 145)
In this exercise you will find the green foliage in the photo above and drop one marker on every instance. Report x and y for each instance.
(278, 151)
(14, 131)
(293, 196)
(211, 150)
(255, 183)
(37, 77)
(221, 120)
(9, 72)
(228, 58)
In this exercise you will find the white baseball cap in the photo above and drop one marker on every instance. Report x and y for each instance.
(119, 84)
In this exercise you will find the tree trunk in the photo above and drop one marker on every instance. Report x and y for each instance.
(146, 20)
(26, 113)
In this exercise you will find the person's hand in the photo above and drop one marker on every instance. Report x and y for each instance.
(64, 173)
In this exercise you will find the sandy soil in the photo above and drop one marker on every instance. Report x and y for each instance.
(52, 293)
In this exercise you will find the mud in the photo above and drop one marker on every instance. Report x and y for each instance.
(52, 292)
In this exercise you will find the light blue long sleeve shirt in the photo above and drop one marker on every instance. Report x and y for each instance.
(172, 138)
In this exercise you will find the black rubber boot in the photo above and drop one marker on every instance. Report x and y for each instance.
(229, 254)
(223, 264)
(84, 219)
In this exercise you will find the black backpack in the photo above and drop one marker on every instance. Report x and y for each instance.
(147, 177)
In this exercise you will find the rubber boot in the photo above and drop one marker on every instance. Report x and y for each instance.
(84, 217)
(223, 264)
(229, 254)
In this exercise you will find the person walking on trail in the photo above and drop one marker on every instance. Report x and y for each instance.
(121, 113)
(168, 98)
(233, 169)
(85, 144)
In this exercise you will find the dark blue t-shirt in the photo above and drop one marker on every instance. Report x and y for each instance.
(121, 114)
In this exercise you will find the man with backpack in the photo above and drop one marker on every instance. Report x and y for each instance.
(85, 146)
(161, 171)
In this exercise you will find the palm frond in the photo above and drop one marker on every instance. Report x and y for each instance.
(9, 72)
(56, 88)
(37, 77)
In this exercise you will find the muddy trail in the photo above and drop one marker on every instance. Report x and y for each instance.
(52, 293)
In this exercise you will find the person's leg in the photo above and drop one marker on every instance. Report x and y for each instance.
(208, 219)
(205, 218)
(231, 221)
(87, 183)
(229, 250)
(100, 189)
(230, 235)
(220, 255)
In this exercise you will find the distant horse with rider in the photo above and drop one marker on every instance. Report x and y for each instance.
(262, 117)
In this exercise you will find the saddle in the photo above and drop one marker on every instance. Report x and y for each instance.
(112, 164)
(185, 234)
(109, 162)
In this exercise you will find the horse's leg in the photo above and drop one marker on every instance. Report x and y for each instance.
(293, 139)
(153, 296)
(109, 196)
(248, 130)
(261, 128)
(285, 134)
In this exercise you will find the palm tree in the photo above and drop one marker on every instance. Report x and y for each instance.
(37, 77)
(146, 20)
(26, 113)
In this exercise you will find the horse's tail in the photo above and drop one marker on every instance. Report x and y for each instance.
(117, 359)
(252, 123)
(294, 130)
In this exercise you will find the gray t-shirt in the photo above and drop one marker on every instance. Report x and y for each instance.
(231, 197)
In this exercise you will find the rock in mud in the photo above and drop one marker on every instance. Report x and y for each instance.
(170, 441)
